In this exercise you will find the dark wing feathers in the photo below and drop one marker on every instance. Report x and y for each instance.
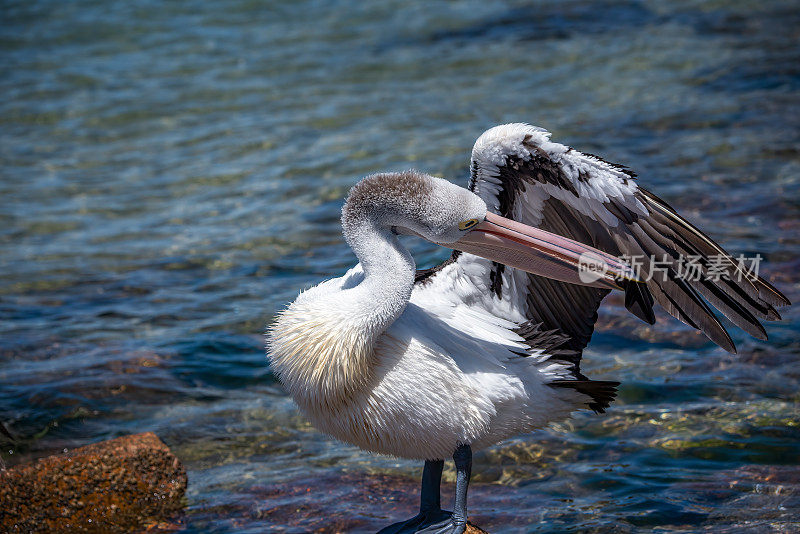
(762, 295)
(574, 195)
(740, 297)
(602, 392)
(567, 308)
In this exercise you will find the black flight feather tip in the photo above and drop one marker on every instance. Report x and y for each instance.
(602, 392)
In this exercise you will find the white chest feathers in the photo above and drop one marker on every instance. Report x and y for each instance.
(321, 353)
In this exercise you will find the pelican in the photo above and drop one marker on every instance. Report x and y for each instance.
(437, 363)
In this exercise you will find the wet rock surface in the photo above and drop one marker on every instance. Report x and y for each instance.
(121, 485)
(340, 503)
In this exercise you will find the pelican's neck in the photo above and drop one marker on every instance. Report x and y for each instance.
(322, 345)
(380, 298)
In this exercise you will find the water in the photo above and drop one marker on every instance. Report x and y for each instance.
(172, 174)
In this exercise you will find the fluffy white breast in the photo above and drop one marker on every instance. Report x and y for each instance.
(321, 351)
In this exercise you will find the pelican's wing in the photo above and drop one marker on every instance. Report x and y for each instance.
(522, 175)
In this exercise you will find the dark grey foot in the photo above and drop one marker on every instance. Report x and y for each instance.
(419, 523)
(448, 526)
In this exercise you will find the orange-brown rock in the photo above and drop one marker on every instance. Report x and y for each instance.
(119, 485)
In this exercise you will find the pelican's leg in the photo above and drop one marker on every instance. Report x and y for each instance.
(463, 459)
(430, 497)
(430, 505)
(456, 523)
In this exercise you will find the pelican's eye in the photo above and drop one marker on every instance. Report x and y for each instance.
(466, 225)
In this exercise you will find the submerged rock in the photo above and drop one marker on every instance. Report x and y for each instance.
(336, 502)
(119, 485)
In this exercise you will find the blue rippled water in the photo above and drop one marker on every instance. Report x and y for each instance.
(172, 175)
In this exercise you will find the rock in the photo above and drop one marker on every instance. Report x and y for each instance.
(119, 485)
(343, 501)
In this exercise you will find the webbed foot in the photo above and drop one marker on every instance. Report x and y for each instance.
(418, 523)
(447, 526)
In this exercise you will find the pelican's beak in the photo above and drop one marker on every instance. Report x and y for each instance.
(540, 252)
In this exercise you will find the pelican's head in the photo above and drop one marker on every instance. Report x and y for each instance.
(413, 203)
(451, 216)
